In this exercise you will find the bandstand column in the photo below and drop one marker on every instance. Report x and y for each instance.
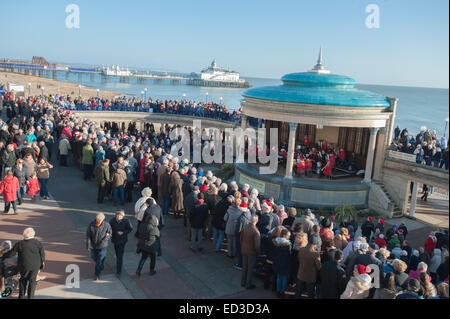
(412, 207)
(243, 121)
(291, 148)
(370, 154)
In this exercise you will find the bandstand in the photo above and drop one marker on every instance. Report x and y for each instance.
(325, 107)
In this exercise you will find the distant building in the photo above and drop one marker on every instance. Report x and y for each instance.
(215, 73)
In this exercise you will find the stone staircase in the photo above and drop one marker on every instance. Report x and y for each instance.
(396, 211)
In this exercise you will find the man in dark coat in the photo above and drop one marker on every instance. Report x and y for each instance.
(121, 227)
(250, 247)
(8, 157)
(189, 203)
(165, 190)
(217, 222)
(31, 258)
(102, 178)
(367, 228)
(332, 277)
(212, 200)
(43, 153)
(98, 235)
(198, 218)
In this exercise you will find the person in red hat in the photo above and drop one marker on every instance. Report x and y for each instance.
(359, 285)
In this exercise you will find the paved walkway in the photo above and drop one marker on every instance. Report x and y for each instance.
(60, 223)
(433, 212)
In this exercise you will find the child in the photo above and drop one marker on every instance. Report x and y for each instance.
(33, 186)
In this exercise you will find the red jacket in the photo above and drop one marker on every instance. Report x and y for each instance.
(430, 244)
(32, 186)
(9, 187)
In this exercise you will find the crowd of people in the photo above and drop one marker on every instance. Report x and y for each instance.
(428, 148)
(313, 257)
(211, 109)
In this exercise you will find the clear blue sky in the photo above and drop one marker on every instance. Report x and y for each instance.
(257, 38)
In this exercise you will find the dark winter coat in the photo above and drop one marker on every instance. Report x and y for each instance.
(149, 235)
(282, 260)
(156, 211)
(367, 228)
(98, 237)
(199, 215)
(31, 255)
(123, 226)
(218, 214)
(332, 280)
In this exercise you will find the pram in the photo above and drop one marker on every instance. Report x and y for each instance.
(12, 276)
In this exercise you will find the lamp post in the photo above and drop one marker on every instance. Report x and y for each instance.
(206, 97)
(79, 90)
(446, 123)
(98, 96)
(29, 89)
(145, 95)
(142, 95)
(184, 98)
(422, 130)
(42, 89)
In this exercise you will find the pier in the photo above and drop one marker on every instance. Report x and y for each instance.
(48, 70)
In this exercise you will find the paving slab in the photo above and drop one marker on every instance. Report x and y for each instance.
(108, 287)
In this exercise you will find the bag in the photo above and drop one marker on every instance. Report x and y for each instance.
(138, 249)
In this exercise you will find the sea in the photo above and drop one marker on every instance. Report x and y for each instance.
(417, 106)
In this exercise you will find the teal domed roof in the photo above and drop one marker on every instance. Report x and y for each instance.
(315, 88)
(318, 86)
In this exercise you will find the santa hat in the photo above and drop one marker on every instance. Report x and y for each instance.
(381, 221)
(370, 219)
(363, 269)
(267, 205)
(400, 231)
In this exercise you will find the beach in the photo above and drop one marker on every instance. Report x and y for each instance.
(51, 86)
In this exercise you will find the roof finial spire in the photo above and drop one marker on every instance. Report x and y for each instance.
(319, 60)
(319, 68)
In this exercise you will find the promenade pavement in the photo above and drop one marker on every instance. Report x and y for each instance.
(61, 222)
